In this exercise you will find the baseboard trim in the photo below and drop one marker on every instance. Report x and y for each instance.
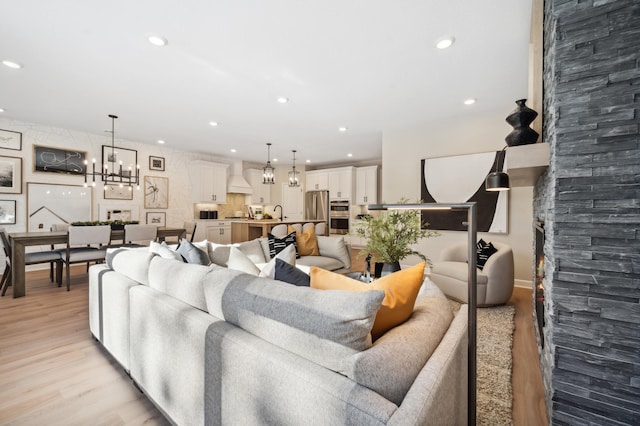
(522, 284)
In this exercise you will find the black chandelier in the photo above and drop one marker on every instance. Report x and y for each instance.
(112, 170)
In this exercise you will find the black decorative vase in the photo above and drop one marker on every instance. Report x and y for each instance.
(520, 119)
(382, 269)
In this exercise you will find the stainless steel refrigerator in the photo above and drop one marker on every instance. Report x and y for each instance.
(316, 206)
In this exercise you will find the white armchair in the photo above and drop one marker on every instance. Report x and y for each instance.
(495, 280)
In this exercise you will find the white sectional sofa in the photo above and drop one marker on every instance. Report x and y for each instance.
(210, 345)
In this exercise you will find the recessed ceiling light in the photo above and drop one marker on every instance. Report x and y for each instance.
(308, 161)
(343, 129)
(1, 109)
(469, 101)
(160, 141)
(283, 100)
(11, 64)
(349, 155)
(445, 42)
(213, 123)
(157, 40)
(233, 150)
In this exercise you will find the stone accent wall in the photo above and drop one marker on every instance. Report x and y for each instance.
(590, 201)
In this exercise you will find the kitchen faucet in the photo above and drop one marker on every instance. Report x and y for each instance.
(274, 210)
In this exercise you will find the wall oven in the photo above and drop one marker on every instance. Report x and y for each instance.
(339, 215)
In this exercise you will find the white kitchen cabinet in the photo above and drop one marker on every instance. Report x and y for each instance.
(219, 231)
(341, 183)
(317, 179)
(366, 185)
(208, 182)
(261, 192)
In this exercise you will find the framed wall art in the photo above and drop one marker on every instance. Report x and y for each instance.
(114, 192)
(157, 218)
(8, 212)
(47, 159)
(10, 140)
(113, 158)
(156, 192)
(10, 175)
(460, 179)
(156, 163)
(125, 212)
(51, 203)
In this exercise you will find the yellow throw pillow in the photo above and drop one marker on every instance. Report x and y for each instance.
(306, 241)
(400, 288)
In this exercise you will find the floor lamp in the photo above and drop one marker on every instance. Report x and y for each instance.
(471, 210)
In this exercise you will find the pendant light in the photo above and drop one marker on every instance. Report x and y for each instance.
(268, 172)
(497, 180)
(294, 175)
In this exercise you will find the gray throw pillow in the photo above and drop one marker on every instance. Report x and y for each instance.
(192, 254)
(290, 274)
(326, 327)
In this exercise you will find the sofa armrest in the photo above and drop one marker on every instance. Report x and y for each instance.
(251, 381)
(439, 394)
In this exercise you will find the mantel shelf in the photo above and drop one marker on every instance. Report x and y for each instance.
(525, 163)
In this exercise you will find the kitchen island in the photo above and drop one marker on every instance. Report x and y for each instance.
(246, 230)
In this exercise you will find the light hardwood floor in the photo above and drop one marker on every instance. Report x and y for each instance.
(52, 371)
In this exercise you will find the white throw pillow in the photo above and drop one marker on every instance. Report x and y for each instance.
(241, 262)
(288, 254)
(162, 250)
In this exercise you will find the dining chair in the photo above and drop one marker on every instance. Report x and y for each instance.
(136, 234)
(56, 227)
(30, 258)
(86, 244)
(190, 226)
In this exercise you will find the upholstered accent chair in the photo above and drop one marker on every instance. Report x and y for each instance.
(495, 279)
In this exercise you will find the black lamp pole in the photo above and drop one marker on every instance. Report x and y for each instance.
(472, 214)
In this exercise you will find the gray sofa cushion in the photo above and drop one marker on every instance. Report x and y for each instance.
(323, 262)
(413, 342)
(324, 326)
(335, 247)
(180, 280)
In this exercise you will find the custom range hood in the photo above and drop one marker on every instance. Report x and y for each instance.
(237, 184)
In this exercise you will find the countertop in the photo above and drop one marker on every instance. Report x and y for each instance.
(286, 222)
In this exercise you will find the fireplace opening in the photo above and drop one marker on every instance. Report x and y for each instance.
(538, 285)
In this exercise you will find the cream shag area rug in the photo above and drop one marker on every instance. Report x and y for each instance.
(494, 364)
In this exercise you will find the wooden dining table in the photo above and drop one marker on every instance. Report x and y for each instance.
(20, 240)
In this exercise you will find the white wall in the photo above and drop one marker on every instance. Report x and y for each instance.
(176, 167)
(402, 151)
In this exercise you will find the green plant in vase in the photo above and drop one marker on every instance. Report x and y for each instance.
(391, 234)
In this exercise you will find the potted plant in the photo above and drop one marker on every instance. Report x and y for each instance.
(390, 235)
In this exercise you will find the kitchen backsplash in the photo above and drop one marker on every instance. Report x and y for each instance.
(235, 203)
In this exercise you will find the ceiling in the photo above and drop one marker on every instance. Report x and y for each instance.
(369, 65)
